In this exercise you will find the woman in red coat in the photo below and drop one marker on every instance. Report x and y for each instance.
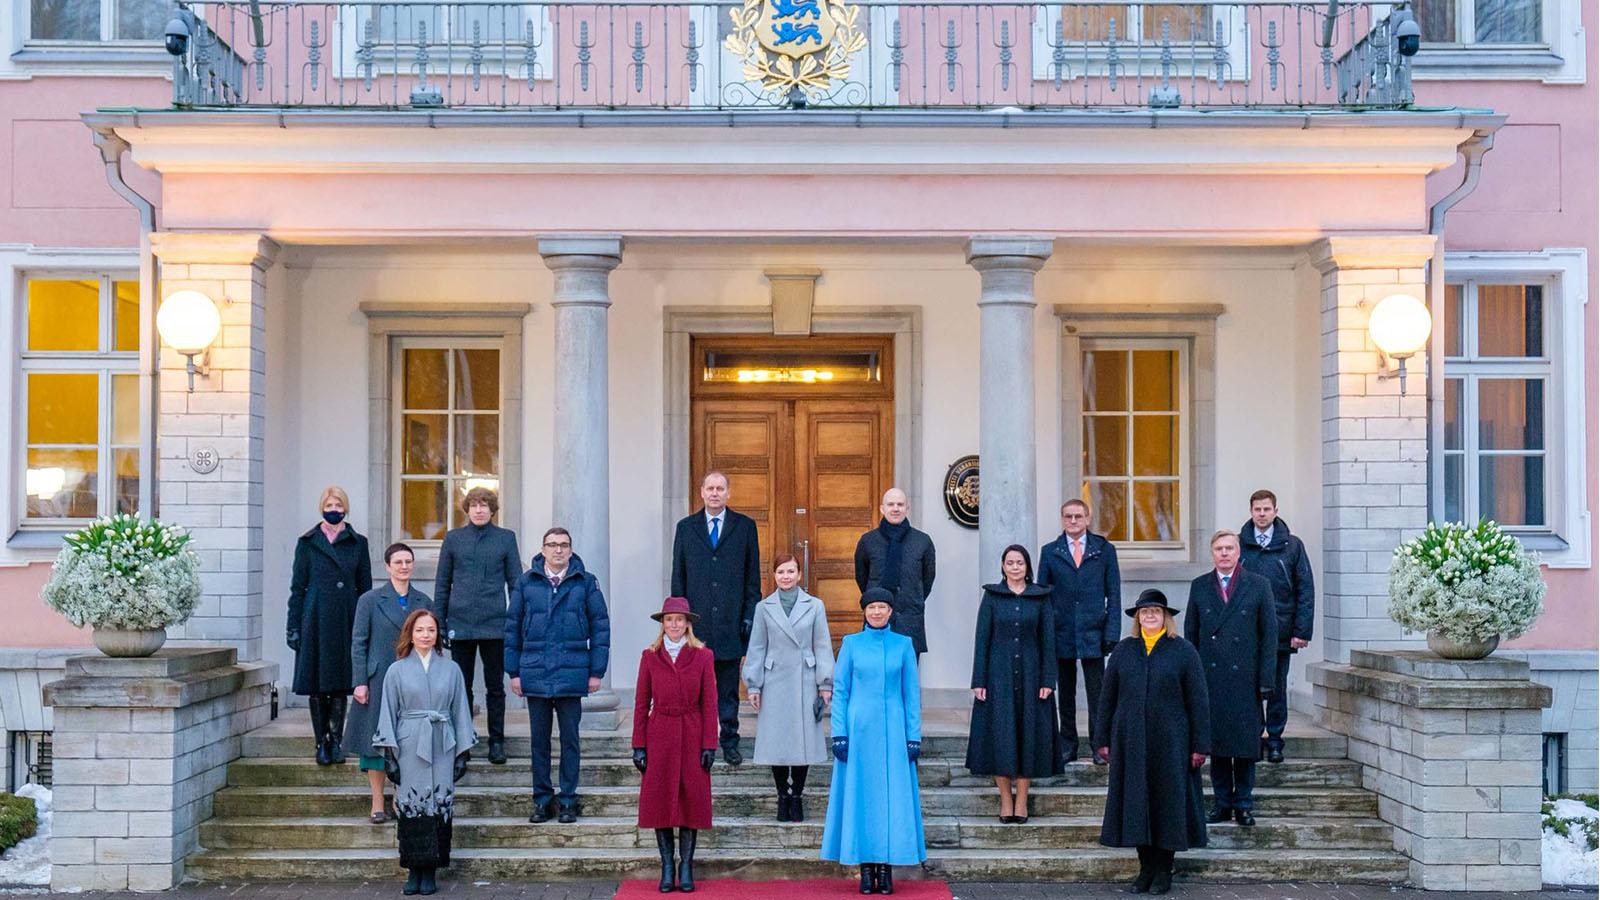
(675, 739)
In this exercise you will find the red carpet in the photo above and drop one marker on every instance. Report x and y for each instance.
(813, 889)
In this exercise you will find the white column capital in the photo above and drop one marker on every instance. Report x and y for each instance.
(1009, 251)
(213, 248)
(1386, 251)
(586, 251)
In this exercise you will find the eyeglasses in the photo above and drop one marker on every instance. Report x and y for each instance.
(552, 545)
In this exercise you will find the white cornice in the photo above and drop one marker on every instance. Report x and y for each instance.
(1412, 143)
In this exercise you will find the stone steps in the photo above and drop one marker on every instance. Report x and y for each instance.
(350, 801)
(1089, 864)
(934, 771)
(744, 834)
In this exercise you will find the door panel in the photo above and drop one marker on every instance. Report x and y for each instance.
(744, 440)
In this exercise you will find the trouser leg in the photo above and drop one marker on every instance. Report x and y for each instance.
(727, 672)
(1094, 670)
(780, 780)
(1244, 783)
(540, 710)
(465, 655)
(1222, 781)
(1067, 703)
(319, 717)
(1278, 703)
(797, 779)
(493, 654)
(569, 710)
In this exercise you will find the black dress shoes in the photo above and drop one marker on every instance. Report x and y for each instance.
(497, 753)
(543, 812)
(569, 814)
(869, 884)
(1243, 817)
(885, 878)
(732, 756)
(1218, 814)
(1274, 752)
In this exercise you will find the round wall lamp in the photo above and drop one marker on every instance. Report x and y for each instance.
(1400, 325)
(189, 322)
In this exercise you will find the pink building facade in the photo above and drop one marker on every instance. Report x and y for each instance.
(1008, 226)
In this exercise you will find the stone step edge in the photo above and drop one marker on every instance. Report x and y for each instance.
(761, 791)
(735, 821)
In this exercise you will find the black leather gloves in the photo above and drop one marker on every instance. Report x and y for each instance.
(639, 759)
(460, 768)
(841, 749)
(707, 757)
(391, 766)
(913, 750)
(293, 639)
(1107, 647)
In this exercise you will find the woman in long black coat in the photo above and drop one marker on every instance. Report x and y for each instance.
(332, 569)
(1014, 735)
(1153, 707)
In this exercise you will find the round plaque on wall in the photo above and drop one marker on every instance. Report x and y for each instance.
(961, 491)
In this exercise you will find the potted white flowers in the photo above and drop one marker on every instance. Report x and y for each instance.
(1466, 588)
(128, 579)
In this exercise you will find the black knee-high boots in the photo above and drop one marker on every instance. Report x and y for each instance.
(337, 705)
(319, 728)
(686, 842)
(1147, 871)
(669, 872)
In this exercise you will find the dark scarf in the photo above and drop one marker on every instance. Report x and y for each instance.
(895, 535)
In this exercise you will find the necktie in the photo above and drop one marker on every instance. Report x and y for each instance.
(714, 523)
(1077, 553)
(1225, 580)
(555, 582)
(1263, 540)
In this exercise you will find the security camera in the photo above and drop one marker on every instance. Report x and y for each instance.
(177, 34)
(1408, 37)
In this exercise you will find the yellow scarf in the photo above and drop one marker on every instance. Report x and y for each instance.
(1150, 639)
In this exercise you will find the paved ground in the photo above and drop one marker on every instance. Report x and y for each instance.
(604, 891)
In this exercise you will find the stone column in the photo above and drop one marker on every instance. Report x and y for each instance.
(1374, 441)
(1007, 471)
(209, 441)
(1453, 749)
(141, 745)
(581, 430)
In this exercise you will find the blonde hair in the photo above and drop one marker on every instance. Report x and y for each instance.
(1224, 533)
(688, 633)
(333, 490)
(1169, 622)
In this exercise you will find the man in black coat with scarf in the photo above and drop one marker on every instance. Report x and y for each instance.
(898, 558)
(1269, 550)
(716, 564)
(478, 568)
(1231, 621)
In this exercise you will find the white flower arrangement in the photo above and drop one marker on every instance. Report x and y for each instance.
(119, 572)
(1467, 584)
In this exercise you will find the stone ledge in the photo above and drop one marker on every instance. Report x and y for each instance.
(1423, 693)
(167, 663)
(1426, 664)
(157, 693)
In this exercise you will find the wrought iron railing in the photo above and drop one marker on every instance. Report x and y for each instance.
(671, 54)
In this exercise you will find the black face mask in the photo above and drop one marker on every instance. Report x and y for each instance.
(332, 516)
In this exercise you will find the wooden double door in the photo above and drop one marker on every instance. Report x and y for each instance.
(811, 472)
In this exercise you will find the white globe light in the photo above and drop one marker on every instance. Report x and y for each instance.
(188, 321)
(1400, 325)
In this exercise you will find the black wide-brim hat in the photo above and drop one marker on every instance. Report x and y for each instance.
(1151, 597)
(877, 595)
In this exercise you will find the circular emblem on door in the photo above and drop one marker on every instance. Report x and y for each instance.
(961, 491)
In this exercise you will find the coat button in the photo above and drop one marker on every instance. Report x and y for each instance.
(340, 584)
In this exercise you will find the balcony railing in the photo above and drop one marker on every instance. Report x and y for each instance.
(932, 54)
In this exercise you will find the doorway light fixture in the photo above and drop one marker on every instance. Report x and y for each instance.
(783, 376)
(1400, 325)
(189, 323)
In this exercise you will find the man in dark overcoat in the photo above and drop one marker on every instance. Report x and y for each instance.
(558, 645)
(1080, 569)
(1231, 621)
(716, 564)
(478, 567)
(899, 558)
(1269, 550)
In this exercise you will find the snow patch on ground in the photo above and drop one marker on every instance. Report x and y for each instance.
(1568, 860)
(29, 861)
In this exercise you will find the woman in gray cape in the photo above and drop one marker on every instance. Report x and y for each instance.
(425, 732)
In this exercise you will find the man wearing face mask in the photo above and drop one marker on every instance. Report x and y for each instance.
(478, 568)
(900, 559)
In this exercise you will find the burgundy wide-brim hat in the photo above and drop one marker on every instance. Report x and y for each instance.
(676, 605)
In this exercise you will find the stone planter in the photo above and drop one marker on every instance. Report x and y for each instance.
(1452, 649)
(129, 642)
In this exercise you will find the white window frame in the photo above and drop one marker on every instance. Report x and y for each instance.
(1193, 327)
(1563, 274)
(101, 363)
(1141, 58)
(23, 55)
(1559, 57)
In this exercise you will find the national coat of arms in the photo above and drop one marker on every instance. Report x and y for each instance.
(795, 48)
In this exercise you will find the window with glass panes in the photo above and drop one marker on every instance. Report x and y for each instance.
(1142, 24)
(80, 396)
(1496, 390)
(1134, 418)
(82, 21)
(1488, 22)
(447, 432)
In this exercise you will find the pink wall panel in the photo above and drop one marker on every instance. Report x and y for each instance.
(29, 623)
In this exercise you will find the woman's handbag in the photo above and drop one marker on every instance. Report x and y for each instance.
(816, 708)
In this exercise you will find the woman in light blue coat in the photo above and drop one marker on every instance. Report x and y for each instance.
(874, 806)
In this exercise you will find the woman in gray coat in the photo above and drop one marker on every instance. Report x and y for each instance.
(379, 614)
(788, 672)
(425, 730)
